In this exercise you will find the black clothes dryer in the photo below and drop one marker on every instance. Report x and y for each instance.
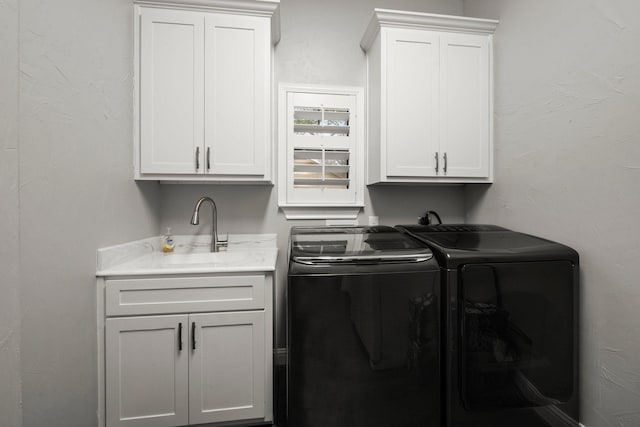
(511, 322)
(363, 329)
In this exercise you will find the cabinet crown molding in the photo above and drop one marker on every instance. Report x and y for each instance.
(264, 8)
(426, 21)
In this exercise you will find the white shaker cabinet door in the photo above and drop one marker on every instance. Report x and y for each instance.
(410, 71)
(238, 75)
(171, 91)
(465, 103)
(227, 368)
(147, 371)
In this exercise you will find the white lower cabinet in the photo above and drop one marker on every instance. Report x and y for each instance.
(226, 367)
(165, 370)
(147, 373)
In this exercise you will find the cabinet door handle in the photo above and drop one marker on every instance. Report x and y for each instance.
(208, 158)
(437, 162)
(193, 335)
(444, 167)
(180, 336)
(197, 158)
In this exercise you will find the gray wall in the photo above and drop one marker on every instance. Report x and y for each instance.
(67, 186)
(76, 192)
(567, 100)
(10, 411)
(320, 44)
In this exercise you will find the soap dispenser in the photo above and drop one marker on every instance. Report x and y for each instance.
(168, 243)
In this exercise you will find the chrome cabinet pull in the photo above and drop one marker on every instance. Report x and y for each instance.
(444, 167)
(180, 336)
(197, 158)
(208, 158)
(437, 162)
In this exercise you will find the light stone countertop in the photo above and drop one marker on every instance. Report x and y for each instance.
(245, 253)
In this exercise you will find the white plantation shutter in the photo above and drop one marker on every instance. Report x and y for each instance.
(320, 121)
(320, 168)
(322, 146)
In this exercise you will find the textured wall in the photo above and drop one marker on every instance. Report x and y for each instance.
(568, 168)
(76, 190)
(320, 44)
(10, 411)
(321, 40)
(76, 193)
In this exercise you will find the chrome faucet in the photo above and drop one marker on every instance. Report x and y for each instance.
(195, 220)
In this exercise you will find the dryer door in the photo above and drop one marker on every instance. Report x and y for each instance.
(518, 334)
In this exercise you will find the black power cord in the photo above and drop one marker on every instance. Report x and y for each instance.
(426, 218)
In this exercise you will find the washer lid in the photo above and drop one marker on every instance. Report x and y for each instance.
(459, 244)
(331, 245)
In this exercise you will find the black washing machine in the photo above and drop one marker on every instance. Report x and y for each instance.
(510, 316)
(363, 329)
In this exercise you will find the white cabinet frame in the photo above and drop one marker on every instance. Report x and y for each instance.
(203, 90)
(429, 94)
(227, 377)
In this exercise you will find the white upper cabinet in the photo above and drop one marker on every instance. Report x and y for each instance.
(171, 90)
(429, 83)
(203, 90)
(237, 94)
(411, 102)
(465, 113)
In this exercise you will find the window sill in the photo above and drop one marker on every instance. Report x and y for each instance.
(320, 212)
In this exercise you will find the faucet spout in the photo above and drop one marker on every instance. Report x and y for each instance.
(195, 220)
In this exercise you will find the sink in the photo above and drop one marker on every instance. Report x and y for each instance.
(217, 258)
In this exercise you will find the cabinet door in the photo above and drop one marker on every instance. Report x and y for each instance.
(171, 91)
(227, 367)
(410, 71)
(238, 70)
(465, 105)
(147, 371)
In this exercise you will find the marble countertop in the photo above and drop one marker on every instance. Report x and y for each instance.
(245, 253)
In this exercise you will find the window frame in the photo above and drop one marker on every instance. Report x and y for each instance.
(295, 203)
